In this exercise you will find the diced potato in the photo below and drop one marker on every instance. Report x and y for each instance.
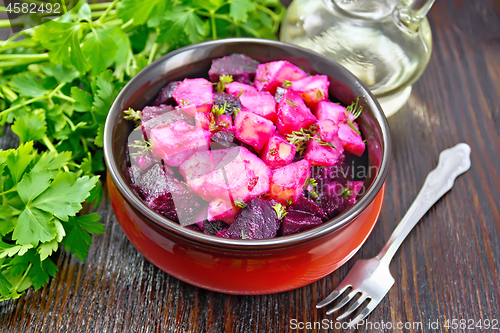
(202, 119)
(238, 88)
(332, 111)
(351, 139)
(253, 129)
(272, 74)
(324, 155)
(313, 89)
(293, 114)
(239, 176)
(262, 104)
(219, 209)
(164, 119)
(327, 130)
(287, 183)
(175, 142)
(194, 95)
(278, 152)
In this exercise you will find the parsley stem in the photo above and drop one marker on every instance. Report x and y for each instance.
(20, 105)
(48, 144)
(8, 44)
(152, 53)
(225, 18)
(106, 12)
(59, 87)
(126, 25)
(24, 56)
(67, 98)
(212, 20)
(24, 277)
(8, 191)
(99, 5)
(84, 143)
(64, 6)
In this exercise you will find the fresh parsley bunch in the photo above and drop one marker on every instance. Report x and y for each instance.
(57, 83)
(40, 200)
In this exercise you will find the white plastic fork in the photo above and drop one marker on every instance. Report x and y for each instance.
(372, 278)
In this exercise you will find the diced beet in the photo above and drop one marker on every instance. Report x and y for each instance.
(278, 152)
(295, 222)
(325, 155)
(165, 95)
(167, 195)
(164, 119)
(293, 114)
(313, 89)
(239, 176)
(262, 104)
(257, 220)
(332, 111)
(238, 88)
(202, 119)
(219, 209)
(355, 187)
(253, 129)
(194, 95)
(352, 140)
(333, 205)
(213, 227)
(327, 130)
(150, 112)
(240, 66)
(224, 138)
(232, 102)
(223, 233)
(272, 74)
(306, 205)
(175, 142)
(194, 227)
(288, 182)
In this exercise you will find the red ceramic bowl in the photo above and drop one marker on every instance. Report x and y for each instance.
(245, 266)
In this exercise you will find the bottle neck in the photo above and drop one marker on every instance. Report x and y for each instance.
(367, 9)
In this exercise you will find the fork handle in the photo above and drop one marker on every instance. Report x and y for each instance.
(452, 163)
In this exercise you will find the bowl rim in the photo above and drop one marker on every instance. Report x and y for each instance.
(278, 242)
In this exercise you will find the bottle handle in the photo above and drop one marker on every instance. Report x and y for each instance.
(411, 15)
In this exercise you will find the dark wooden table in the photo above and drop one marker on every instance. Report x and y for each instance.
(448, 269)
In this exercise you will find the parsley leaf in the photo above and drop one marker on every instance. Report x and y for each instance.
(33, 184)
(28, 85)
(78, 240)
(83, 100)
(137, 10)
(60, 72)
(64, 196)
(184, 18)
(238, 9)
(100, 49)
(31, 126)
(34, 226)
